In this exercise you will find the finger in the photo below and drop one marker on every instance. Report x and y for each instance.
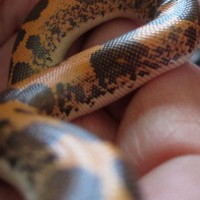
(12, 14)
(99, 124)
(9, 193)
(5, 55)
(162, 120)
(175, 179)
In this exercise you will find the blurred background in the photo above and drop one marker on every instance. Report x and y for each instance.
(196, 57)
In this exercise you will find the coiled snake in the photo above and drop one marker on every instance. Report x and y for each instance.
(48, 159)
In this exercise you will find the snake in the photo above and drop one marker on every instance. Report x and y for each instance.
(42, 155)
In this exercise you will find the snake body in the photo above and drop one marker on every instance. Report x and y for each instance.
(48, 159)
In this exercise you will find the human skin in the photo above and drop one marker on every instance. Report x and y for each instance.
(157, 127)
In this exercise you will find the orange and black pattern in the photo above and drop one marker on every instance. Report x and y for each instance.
(49, 159)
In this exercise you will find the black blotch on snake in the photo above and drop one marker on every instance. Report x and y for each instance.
(35, 13)
(21, 71)
(111, 63)
(37, 95)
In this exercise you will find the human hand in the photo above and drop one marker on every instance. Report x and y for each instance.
(157, 127)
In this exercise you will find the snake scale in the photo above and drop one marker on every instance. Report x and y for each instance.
(48, 159)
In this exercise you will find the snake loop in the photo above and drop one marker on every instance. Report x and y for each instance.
(48, 159)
